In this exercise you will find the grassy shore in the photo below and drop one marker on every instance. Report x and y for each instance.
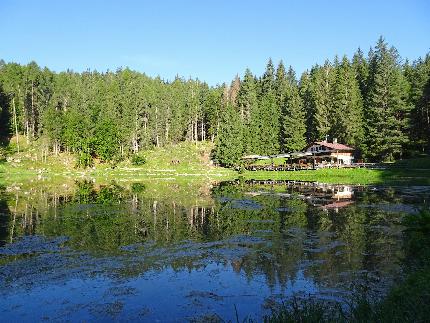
(191, 162)
(390, 175)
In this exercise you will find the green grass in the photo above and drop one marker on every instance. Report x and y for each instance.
(192, 162)
(338, 176)
(405, 172)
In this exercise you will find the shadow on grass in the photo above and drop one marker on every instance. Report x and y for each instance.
(408, 172)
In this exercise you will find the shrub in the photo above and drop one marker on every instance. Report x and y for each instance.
(138, 160)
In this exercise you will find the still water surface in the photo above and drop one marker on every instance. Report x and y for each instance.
(170, 252)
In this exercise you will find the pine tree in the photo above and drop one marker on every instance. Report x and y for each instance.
(280, 84)
(347, 119)
(361, 69)
(267, 82)
(248, 110)
(418, 75)
(387, 114)
(322, 95)
(5, 118)
(229, 142)
(269, 131)
(267, 117)
(424, 110)
(305, 92)
(294, 122)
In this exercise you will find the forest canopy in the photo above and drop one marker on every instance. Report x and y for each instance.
(377, 103)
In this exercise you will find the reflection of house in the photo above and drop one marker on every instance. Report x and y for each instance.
(344, 192)
(331, 152)
(337, 205)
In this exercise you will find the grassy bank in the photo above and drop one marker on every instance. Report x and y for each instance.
(191, 162)
(413, 172)
(182, 162)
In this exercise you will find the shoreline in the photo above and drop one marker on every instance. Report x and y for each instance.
(11, 173)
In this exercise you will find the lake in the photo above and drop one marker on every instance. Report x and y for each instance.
(168, 251)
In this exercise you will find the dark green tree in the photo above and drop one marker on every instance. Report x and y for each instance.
(229, 142)
(294, 121)
(322, 80)
(248, 108)
(361, 69)
(387, 113)
(347, 115)
(418, 76)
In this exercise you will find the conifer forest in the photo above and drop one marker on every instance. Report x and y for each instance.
(377, 102)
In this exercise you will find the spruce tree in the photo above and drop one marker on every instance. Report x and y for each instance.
(424, 110)
(418, 76)
(308, 106)
(229, 142)
(293, 121)
(387, 113)
(248, 110)
(269, 122)
(347, 119)
(267, 82)
(280, 84)
(322, 96)
(361, 69)
(267, 118)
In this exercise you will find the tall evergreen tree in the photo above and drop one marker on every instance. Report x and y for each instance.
(361, 69)
(418, 76)
(347, 116)
(268, 114)
(294, 122)
(280, 84)
(305, 92)
(269, 126)
(424, 110)
(248, 110)
(267, 82)
(322, 95)
(388, 113)
(229, 142)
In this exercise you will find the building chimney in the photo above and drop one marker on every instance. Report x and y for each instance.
(335, 140)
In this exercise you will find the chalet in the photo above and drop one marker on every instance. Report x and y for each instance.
(331, 152)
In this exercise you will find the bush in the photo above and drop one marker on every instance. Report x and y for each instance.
(138, 160)
(84, 159)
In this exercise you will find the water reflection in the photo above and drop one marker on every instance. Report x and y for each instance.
(233, 239)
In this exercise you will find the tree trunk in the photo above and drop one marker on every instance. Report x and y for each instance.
(32, 111)
(196, 129)
(15, 123)
(157, 139)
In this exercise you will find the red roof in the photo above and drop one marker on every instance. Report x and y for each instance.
(335, 146)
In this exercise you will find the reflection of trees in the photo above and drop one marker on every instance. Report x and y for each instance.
(294, 235)
(4, 221)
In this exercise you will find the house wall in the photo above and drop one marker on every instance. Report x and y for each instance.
(346, 158)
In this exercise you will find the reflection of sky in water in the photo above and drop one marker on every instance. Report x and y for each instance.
(154, 295)
(149, 259)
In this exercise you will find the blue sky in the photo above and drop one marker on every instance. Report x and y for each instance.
(210, 40)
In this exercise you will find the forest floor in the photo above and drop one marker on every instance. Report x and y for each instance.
(187, 162)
